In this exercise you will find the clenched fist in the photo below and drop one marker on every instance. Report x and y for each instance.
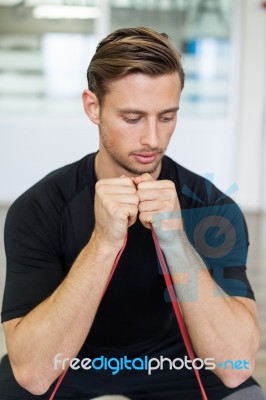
(118, 202)
(116, 209)
(159, 206)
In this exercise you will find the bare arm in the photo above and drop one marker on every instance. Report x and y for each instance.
(220, 326)
(61, 323)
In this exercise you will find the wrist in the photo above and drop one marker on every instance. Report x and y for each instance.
(169, 228)
(104, 246)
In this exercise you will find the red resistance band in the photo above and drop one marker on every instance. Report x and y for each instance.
(175, 304)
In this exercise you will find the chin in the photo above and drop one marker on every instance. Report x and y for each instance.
(145, 169)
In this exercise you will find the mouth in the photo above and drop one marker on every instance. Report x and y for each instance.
(146, 158)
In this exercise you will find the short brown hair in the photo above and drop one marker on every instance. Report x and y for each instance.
(132, 50)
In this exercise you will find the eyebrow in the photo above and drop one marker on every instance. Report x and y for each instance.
(136, 111)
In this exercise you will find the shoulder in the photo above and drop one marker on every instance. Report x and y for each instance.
(66, 182)
(204, 206)
(194, 190)
(215, 226)
(46, 199)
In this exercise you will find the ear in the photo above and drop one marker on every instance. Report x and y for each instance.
(91, 106)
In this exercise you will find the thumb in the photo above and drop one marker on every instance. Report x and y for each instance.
(143, 178)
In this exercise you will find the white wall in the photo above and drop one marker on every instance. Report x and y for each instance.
(264, 159)
(249, 151)
(32, 146)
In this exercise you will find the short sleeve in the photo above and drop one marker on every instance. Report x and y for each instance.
(33, 263)
(219, 234)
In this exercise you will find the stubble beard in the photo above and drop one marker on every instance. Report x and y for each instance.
(137, 171)
(125, 163)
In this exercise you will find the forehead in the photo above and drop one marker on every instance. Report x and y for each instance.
(143, 91)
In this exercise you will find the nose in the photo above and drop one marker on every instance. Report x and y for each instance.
(149, 135)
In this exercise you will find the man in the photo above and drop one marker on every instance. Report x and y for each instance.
(63, 236)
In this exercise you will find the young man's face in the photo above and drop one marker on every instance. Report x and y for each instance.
(137, 120)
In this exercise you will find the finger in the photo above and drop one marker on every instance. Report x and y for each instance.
(158, 206)
(151, 206)
(123, 212)
(121, 199)
(132, 219)
(149, 218)
(106, 190)
(146, 219)
(161, 184)
(129, 210)
(156, 194)
(143, 178)
(122, 181)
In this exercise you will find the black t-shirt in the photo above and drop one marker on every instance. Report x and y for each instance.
(47, 227)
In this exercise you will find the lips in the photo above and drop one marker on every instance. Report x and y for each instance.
(145, 158)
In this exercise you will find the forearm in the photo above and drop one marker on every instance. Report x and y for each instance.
(61, 323)
(220, 326)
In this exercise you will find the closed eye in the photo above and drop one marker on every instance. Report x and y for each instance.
(131, 120)
(167, 118)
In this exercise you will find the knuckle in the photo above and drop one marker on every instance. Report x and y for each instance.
(170, 184)
(100, 188)
(97, 187)
(146, 175)
(106, 202)
(99, 183)
(114, 209)
(128, 181)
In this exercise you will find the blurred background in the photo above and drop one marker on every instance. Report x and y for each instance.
(45, 48)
